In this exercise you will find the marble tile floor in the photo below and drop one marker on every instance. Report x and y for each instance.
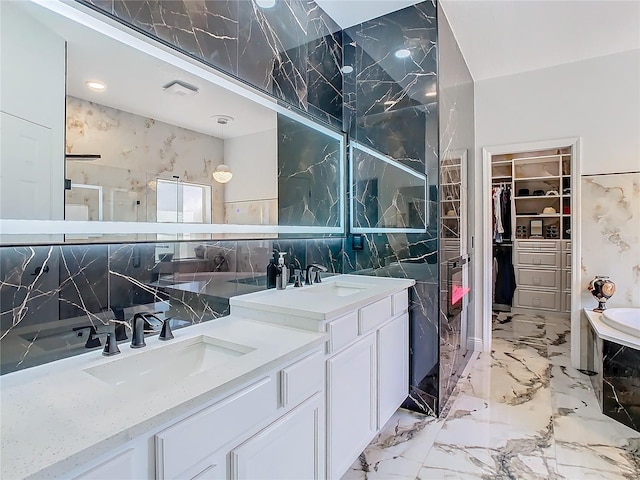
(521, 412)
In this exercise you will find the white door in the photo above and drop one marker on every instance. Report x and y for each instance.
(351, 404)
(393, 367)
(26, 162)
(290, 448)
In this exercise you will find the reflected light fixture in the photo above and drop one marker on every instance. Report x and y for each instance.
(402, 53)
(432, 93)
(347, 69)
(222, 173)
(265, 3)
(95, 85)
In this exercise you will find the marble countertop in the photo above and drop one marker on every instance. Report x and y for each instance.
(301, 302)
(611, 334)
(57, 416)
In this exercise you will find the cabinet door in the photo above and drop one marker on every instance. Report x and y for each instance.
(393, 367)
(290, 448)
(351, 404)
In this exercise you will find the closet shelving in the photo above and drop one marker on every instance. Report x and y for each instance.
(541, 191)
(450, 207)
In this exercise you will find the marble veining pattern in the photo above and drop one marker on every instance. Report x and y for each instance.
(50, 296)
(611, 235)
(521, 411)
(292, 50)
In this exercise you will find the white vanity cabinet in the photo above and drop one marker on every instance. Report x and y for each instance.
(366, 360)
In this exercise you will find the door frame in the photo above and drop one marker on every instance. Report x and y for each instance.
(485, 232)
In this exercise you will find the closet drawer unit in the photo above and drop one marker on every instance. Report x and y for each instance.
(566, 259)
(566, 246)
(537, 259)
(537, 245)
(531, 277)
(566, 279)
(538, 299)
(566, 301)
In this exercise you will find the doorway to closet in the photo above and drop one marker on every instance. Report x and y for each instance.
(530, 201)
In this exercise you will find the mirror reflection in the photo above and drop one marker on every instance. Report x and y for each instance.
(387, 195)
(144, 140)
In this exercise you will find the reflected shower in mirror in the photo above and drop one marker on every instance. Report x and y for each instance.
(387, 195)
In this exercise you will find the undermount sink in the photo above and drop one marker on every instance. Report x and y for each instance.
(338, 289)
(168, 364)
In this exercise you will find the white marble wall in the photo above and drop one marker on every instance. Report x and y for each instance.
(610, 224)
(135, 151)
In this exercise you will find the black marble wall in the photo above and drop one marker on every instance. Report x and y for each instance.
(49, 293)
(292, 50)
(386, 109)
(620, 392)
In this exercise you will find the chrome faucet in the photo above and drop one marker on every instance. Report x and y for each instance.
(314, 267)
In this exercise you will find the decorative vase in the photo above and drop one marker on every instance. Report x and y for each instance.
(603, 289)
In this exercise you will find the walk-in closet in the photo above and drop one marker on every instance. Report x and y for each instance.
(531, 230)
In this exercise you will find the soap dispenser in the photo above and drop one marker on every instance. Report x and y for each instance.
(282, 280)
(272, 272)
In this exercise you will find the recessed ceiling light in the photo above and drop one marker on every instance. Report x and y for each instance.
(347, 69)
(95, 85)
(402, 53)
(265, 3)
(431, 94)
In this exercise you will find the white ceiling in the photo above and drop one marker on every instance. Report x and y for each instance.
(135, 81)
(503, 37)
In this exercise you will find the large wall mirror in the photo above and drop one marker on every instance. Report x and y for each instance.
(107, 135)
(387, 195)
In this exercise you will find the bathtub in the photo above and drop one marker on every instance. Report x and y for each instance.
(626, 320)
(613, 357)
(620, 325)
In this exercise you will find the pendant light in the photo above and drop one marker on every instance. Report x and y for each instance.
(222, 173)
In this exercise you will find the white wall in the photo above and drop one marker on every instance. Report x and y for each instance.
(597, 100)
(32, 92)
(253, 159)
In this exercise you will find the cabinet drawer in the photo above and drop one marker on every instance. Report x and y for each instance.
(566, 246)
(187, 443)
(531, 277)
(566, 259)
(543, 245)
(342, 331)
(538, 299)
(373, 315)
(301, 379)
(120, 466)
(400, 302)
(566, 280)
(547, 259)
